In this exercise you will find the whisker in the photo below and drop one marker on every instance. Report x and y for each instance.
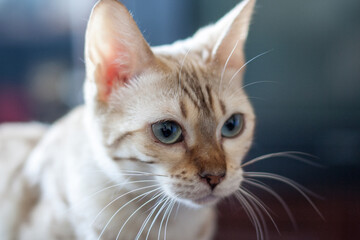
(169, 211)
(168, 217)
(266, 188)
(106, 188)
(128, 173)
(144, 174)
(117, 198)
(236, 194)
(177, 210)
(225, 65)
(251, 214)
(112, 217)
(257, 82)
(291, 183)
(290, 154)
(286, 180)
(156, 216)
(147, 219)
(134, 171)
(163, 218)
(181, 67)
(234, 94)
(147, 202)
(263, 206)
(252, 59)
(260, 215)
(246, 190)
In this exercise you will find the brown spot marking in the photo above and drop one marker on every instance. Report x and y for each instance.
(184, 178)
(179, 185)
(183, 172)
(183, 109)
(223, 108)
(178, 176)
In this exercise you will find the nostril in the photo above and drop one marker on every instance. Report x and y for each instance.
(212, 180)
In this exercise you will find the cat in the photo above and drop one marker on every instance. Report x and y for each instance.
(159, 141)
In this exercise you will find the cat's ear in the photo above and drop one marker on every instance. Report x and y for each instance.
(233, 30)
(115, 50)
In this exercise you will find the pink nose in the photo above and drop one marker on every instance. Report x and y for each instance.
(212, 179)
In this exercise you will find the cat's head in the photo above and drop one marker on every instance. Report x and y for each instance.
(177, 111)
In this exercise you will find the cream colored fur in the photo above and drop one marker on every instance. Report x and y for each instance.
(63, 182)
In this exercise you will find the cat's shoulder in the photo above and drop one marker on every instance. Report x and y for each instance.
(29, 132)
(17, 140)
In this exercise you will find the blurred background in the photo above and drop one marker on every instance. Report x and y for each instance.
(312, 106)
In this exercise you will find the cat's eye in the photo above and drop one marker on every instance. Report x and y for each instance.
(233, 126)
(167, 132)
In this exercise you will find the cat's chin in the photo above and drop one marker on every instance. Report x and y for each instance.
(206, 201)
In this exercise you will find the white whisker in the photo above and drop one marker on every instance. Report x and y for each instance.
(257, 82)
(252, 59)
(235, 93)
(147, 219)
(156, 216)
(117, 198)
(266, 188)
(181, 67)
(156, 195)
(225, 65)
(262, 206)
(251, 214)
(289, 154)
(288, 181)
(177, 210)
(248, 192)
(168, 217)
(80, 203)
(260, 216)
(163, 218)
(112, 217)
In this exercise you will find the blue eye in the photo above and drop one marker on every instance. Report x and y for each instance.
(232, 126)
(167, 132)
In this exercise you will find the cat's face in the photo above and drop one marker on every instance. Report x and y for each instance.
(178, 112)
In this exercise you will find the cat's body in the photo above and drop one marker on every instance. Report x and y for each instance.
(103, 168)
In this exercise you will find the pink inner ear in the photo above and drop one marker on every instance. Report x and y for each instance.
(115, 76)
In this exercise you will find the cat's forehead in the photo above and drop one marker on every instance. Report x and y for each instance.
(183, 88)
(202, 82)
(189, 70)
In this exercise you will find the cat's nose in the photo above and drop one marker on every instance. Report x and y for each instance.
(212, 179)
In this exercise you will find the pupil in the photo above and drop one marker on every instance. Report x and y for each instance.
(231, 124)
(167, 130)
